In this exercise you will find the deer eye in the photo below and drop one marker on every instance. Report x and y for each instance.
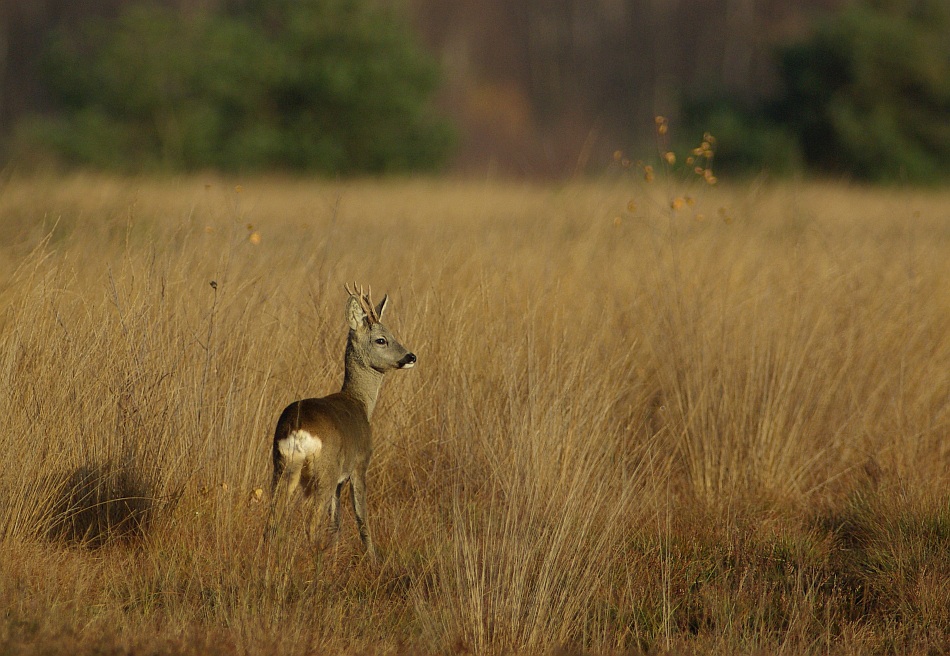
(381, 341)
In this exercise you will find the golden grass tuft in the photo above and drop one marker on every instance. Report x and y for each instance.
(628, 431)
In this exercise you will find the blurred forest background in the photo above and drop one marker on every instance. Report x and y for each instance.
(533, 88)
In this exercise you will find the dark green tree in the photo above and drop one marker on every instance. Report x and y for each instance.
(747, 140)
(333, 86)
(868, 93)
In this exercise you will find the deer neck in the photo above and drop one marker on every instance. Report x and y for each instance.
(360, 381)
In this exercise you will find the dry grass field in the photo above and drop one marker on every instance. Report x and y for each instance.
(722, 428)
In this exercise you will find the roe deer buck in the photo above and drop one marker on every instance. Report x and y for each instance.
(319, 444)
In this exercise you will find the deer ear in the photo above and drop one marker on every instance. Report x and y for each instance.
(382, 306)
(355, 316)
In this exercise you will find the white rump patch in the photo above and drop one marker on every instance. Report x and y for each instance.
(298, 446)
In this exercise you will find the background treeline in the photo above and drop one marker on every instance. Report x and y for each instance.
(329, 85)
(535, 87)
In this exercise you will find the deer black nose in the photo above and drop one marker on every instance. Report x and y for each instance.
(407, 361)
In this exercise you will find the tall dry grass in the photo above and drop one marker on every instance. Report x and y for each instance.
(628, 431)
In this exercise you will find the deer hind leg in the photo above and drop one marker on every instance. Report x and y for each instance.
(333, 510)
(324, 504)
(294, 454)
(285, 482)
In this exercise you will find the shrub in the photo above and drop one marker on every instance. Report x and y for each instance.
(747, 141)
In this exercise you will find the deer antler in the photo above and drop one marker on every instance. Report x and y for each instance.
(364, 299)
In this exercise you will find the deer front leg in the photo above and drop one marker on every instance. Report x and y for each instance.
(359, 509)
(335, 511)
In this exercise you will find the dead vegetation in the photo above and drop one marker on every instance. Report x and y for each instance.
(721, 427)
